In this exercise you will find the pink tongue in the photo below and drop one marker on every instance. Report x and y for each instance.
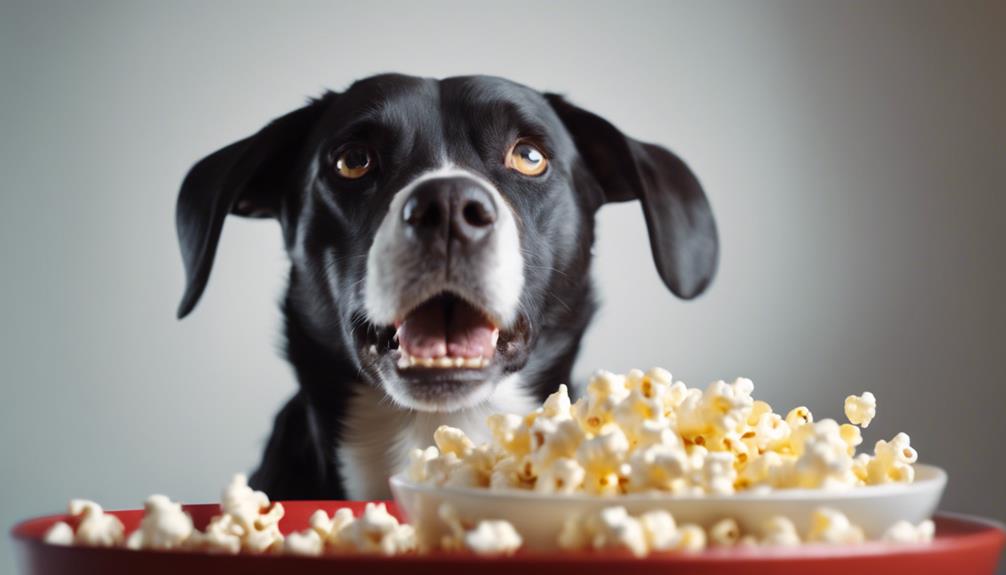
(446, 326)
(424, 333)
(469, 333)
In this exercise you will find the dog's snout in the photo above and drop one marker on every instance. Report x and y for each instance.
(445, 209)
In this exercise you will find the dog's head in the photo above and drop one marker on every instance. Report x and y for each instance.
(436, 228)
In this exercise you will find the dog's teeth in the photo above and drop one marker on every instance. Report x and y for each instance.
(495, 336)
(406, 361)
(372, 349)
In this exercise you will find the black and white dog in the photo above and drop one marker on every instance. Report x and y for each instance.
(439, 235)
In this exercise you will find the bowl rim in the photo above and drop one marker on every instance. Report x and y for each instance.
(933, 477)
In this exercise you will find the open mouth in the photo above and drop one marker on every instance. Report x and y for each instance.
(446, 332)
(445, 338)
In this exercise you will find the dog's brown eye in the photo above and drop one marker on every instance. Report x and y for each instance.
(353, 163)
(527, 159)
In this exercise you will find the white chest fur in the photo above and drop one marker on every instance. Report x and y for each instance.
(379, 435)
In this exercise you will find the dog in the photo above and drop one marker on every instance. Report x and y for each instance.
(440, 237)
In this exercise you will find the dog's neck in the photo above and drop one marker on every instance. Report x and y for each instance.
(378, 436)
(364, 437)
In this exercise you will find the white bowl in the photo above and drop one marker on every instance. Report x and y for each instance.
(538, 517)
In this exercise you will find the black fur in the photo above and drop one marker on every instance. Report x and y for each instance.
(284, 172)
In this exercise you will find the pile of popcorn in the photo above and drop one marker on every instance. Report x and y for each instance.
(487, 537)
(645, 432)
(613, 528)
(249, 523)
(375, 532)
(633, 433)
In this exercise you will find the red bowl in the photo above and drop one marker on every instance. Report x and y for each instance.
(963, 545)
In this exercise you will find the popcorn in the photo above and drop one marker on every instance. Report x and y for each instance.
(241, 502)
(725, 533)
(860, 467)
(452, 440)
(601, 457)
(861, 409)
(375, 532)
(551, 440)
(833, 527)
(557, 406)
(851, 435)
(759, 409)
(94, 527)
(659, 467)
(378, 532)
(604, 392)
(330, 529)
(905, 532)
(455, 540)
(564, 475)
(306, 542)
(614, 528)
(689, 539)
(643, 432)
(718, 473)
(490, 537)
(892, 461)
(506, 474)
(222, 536)
(898, 450)
(255, 519)
(633, 433)
(164, 526)
(440, 469)
(779, 531)
(493, 538)
(249, 522)
(771, 432)
(660, 530)
(635, 413)
(798, 417)
(482, 459)
(769, 468)
(509, 433)
(59, 534)
(418, 461)
(720, 409)
(823, 460)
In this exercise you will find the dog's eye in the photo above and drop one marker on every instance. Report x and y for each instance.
(527, 159)
(354, 162)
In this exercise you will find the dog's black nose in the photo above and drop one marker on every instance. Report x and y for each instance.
(450, 208)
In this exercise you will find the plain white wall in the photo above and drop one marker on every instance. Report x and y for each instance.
(853, 153)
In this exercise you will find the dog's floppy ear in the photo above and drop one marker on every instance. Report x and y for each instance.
(245, 178)
(680, 222)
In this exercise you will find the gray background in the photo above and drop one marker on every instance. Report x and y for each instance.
(853, 153)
